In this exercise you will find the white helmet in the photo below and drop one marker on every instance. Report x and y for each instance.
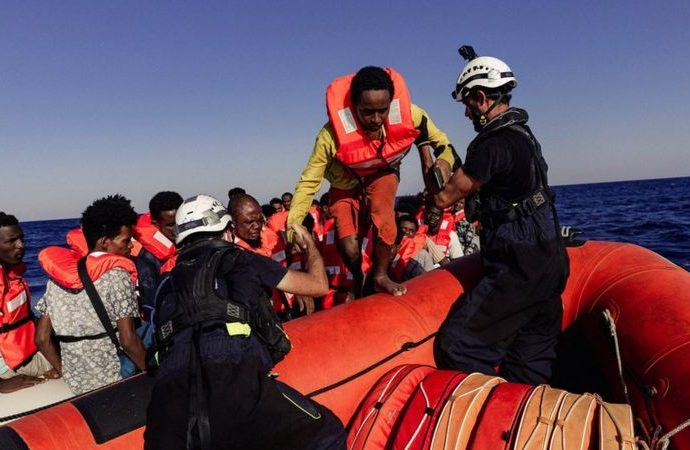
(200, 214)
(483, 71)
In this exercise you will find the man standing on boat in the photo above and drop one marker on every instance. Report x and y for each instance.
(512, 317)
(21, 364)
(372, 125)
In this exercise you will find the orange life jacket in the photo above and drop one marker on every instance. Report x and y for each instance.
(315, 212)
(152, 239)
(61, 265)
(356, 149)
(17, 329)
(278, 221)
(409, 248)
(445, 228)
(339, 276)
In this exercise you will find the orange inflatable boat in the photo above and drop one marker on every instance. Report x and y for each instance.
(626, 336)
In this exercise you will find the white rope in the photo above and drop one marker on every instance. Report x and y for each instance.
(619, 361)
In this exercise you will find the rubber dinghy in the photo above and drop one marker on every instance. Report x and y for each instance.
(626, 337)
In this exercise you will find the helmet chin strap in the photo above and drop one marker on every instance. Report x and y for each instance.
(481, 119)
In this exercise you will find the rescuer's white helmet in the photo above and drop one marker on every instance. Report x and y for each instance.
(483, 71)
(200, 214)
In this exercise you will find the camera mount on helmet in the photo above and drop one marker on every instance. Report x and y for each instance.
(467, 52)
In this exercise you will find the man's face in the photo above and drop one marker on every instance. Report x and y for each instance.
(249, 222)
(11, 245)
(372, 110)
(120, 244)
(165, 222)
(287, 200)
(277, 206)
(432, 216)
(408, 228)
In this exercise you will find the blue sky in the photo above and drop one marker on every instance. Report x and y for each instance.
(136, 97)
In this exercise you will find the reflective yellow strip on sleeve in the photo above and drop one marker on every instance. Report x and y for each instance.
(238, 329)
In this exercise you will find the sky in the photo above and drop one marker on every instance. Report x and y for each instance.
(135, 97)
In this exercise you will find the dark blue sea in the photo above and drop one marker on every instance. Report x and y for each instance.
(651, 213)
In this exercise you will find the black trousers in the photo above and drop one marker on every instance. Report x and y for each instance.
(247, 410)
(511, 320)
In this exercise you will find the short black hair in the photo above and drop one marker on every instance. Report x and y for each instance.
(164, 201)
(7, 220)
(324, 200)
(104, 218)
(275, 200)
(267, 210)
(235, 191)
(407, 218)
(286, 193)
(370, 78)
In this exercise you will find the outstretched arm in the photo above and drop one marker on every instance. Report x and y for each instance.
(314, 282)
(459, 186)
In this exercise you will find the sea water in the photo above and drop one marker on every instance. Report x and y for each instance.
(652, 213)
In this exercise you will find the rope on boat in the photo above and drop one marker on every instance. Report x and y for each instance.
(403, 348)
(611, 324)
(662, 442)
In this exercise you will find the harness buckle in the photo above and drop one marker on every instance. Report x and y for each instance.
(166, 330)
(233, 311)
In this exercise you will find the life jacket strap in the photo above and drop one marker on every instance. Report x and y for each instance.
(90, 337)
(231, 312)
(523, 208)
(14, 325)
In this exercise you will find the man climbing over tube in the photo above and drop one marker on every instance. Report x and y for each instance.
(512, 317)
(371, 126)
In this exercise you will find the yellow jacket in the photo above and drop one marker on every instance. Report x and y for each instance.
(323, 164)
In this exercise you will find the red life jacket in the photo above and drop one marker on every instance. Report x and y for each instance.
(445, 228)
(339, 276)
(152, 239)
(278, 221)
(315, 212)
(17, 330)
(61, 265)
(356, 149)
(409, 248)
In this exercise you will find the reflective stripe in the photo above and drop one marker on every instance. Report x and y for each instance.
(330, 237)
(394, 114)
(444, 224)
(16, 302)
(160, 237)
(347, 120)
(238, 329)
(332, 270)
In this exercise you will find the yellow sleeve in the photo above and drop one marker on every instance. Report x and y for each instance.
(432, 135)
(312, 176)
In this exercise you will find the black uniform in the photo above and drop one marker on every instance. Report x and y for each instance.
(512, 317)
(240, 405)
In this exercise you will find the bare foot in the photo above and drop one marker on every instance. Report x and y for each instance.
(350, 297)
(384, 284)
